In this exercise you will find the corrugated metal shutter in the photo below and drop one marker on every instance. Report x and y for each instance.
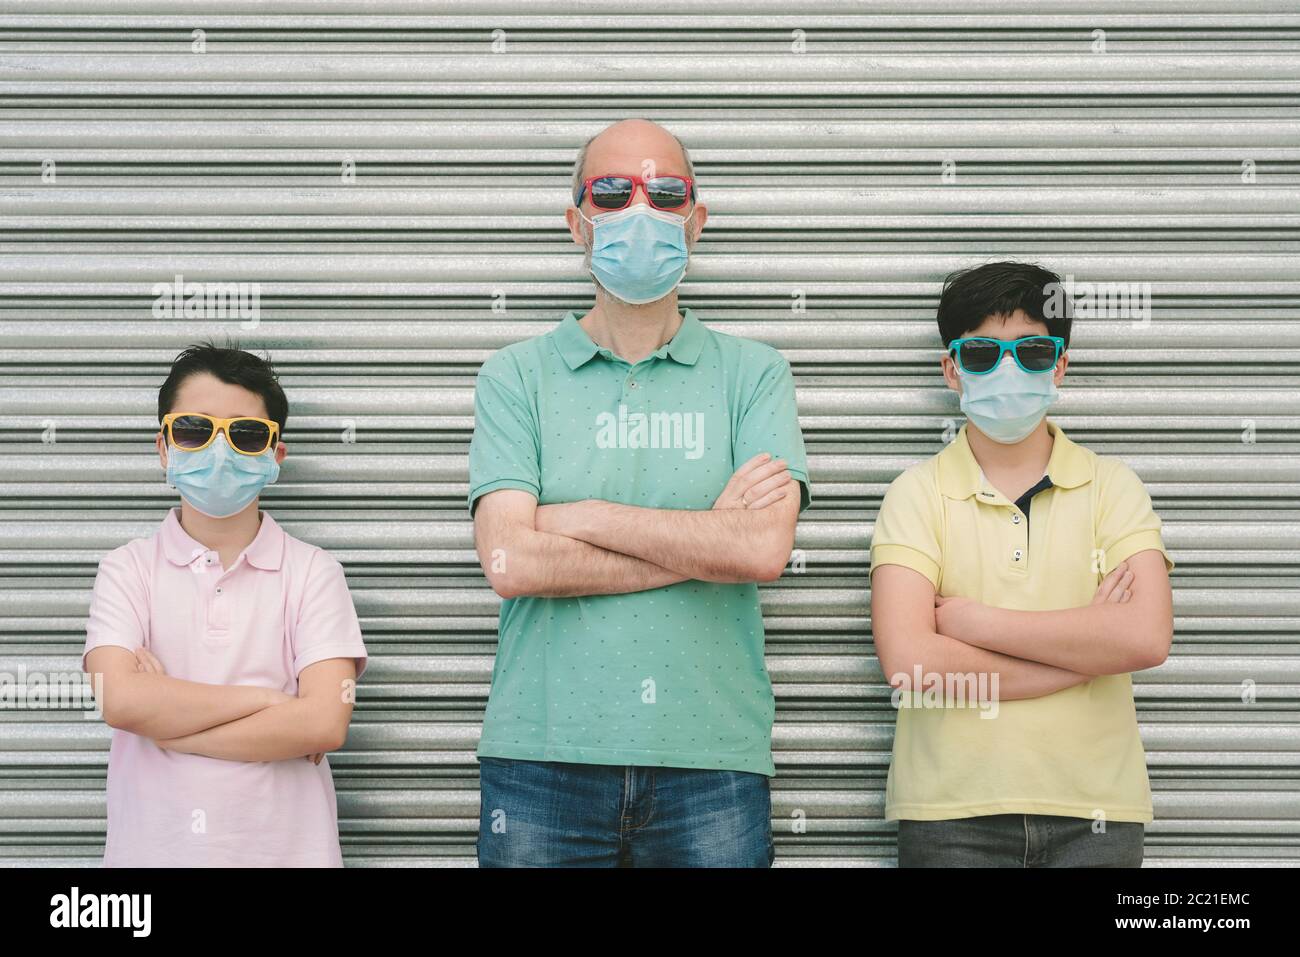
(820, 132)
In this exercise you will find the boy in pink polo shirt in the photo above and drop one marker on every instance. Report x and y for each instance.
(229, 650)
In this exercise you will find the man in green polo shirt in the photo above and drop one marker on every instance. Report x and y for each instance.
(633, 475)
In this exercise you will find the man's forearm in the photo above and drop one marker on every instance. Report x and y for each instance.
(1017, 678)
(160, 706)
(715, 545)
(546, 565)
(290, 730)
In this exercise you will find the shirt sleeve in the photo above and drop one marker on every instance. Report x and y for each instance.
(119, 607)
(907, 530)
(504, 452)
(770, 423)
(327, 625)
(1126, 522)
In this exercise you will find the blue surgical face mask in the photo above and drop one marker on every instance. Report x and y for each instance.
(1007, 403)
(639, 253)
(218, 481)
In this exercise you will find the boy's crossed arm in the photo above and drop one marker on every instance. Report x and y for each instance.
(907, 639)
(1101, 638)
(309, 725)
(142, 699)
(913, 628)
(235, 722)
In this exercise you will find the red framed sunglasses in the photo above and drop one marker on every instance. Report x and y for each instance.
(615, 191)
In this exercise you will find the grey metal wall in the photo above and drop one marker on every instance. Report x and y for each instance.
(822, 167)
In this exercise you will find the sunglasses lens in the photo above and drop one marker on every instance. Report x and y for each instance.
(611, 192)
(249, 435)
(667, 192)
(1037, 354)
(978, 355)
(191, 431)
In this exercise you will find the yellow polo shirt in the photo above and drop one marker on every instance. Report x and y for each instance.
(1075, 752)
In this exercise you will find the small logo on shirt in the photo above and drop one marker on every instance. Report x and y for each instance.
(103, 910)
(653, 430)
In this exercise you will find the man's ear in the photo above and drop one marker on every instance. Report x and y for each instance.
(281, 450)
(697, 224)
(161, 444)
(575, 222)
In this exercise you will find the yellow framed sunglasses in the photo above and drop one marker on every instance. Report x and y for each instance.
(195, 431)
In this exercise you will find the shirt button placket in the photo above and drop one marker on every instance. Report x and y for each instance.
(1020, 549)
(633, 383)
(219, 610)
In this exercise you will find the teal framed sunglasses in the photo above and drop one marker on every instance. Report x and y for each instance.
(980, 355)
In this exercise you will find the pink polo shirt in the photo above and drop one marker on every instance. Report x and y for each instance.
(281, 606)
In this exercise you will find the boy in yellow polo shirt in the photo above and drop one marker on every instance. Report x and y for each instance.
(1017, 579)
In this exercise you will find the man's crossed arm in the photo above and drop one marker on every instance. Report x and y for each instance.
(601, 548)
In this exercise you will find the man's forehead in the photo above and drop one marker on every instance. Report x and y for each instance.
(633, 152)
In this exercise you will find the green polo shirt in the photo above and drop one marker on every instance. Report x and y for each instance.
(668, 677)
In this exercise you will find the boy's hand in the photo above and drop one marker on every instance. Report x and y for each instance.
(756, 484)
(147, 662)
(1115, 587)
(952, 616)
(956, 617)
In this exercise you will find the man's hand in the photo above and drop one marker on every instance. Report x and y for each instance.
(757, 484)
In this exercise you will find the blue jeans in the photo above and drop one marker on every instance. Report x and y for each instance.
(1019, 840)
(557, 814)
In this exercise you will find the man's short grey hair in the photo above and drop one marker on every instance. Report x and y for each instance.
(581, 162)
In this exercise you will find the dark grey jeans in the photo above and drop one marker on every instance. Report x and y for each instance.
(1019, 840)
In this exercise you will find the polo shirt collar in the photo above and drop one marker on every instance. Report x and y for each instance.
(265, 551)
(960, 476)
(576, 347)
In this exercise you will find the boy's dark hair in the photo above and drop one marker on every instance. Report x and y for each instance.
(998, 289)
(232, 365)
